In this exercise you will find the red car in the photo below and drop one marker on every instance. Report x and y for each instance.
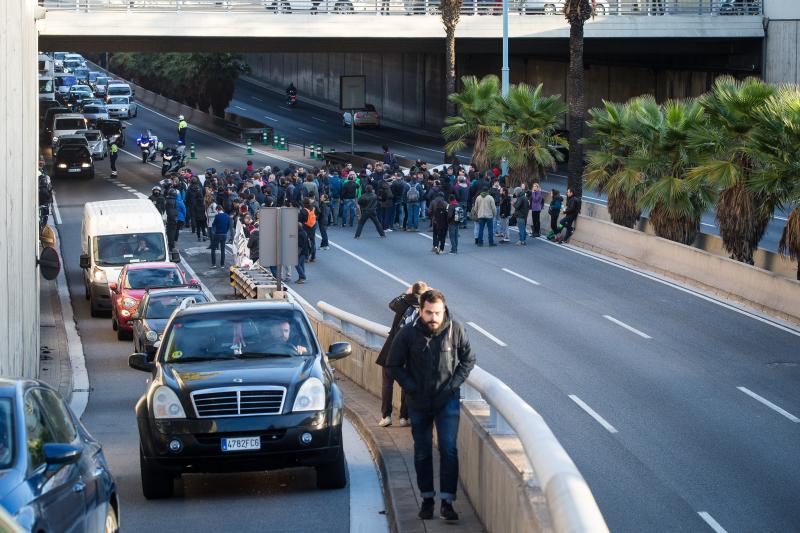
(134, 280)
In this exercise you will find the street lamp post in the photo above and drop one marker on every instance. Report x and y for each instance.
(504, 72)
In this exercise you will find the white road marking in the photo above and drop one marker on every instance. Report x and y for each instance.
(520, 276)
(270, 118)
(139, 157)
(127, 123)
(193, 275)
(597, 257)
(319, 119)
(626, 326)
(214, 160)
(425, 235)
(711, 522)
(782, 218)
(370, 264)
(142, 196)
(305, 130)
(591, 412)
(707, 224)
(224, 140)
(257, 99)
(284, 107)
(400, 142)
(56, 212)
(367, 507)
(487, 334)
(240, 107)
(769, 404)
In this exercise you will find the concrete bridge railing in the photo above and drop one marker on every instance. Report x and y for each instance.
(507, 494)
(418, 7)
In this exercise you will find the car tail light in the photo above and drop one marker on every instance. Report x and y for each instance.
(358, 115)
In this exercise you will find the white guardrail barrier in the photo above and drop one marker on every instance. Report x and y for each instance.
(419, 7)
(569, 500)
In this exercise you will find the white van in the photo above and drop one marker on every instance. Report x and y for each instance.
(46, 66)
(110, 235)
(67, 124)
(47, 88)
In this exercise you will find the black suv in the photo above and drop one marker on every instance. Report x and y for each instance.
(239, 386)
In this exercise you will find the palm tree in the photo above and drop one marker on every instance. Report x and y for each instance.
(776, 141)
(530, 142)
(615, 134)
(727, 162)
(476, 110)
(450, 11)
(664, 159)
(577, 12)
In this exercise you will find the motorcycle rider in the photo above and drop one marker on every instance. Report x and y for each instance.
(45, 196)
(182, 127)
(149, 150)
(158, 199)
(291, 91)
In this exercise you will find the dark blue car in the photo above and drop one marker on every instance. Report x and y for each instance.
(53, 475)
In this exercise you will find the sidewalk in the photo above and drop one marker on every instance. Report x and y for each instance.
(392, 447)
(54, 364)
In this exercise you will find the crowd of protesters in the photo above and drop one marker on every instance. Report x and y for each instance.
(213, 205)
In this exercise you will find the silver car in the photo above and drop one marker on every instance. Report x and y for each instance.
(121, 107)
(95, 113)
(98, 145)
(553, 7)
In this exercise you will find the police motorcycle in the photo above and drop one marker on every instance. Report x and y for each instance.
(147, 144)
(172, 159)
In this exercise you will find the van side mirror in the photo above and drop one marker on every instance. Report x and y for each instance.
(84, 261)
(175, 256)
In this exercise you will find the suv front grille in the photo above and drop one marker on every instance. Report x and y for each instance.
(238, 401)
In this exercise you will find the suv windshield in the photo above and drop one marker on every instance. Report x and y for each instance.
(161, 306)
(6, 433)
(117, 250)
(118, 100)
(70, 124)
(238, 334)
(142, 278)
(118, 90)
(101, 80)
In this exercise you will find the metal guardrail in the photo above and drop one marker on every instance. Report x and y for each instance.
(416, 7)
(569, 500)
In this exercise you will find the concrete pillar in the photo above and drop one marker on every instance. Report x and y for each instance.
(781, 46)
(19, 276)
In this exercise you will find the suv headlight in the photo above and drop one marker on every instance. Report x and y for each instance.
(152, 336)
(166, 404)
(55, 139)
(310, 397)
(128, 302)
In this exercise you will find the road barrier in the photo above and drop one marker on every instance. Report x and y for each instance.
(192, 152)
(506, 495)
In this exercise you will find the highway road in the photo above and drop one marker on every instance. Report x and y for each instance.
(308, 123)
(680, 410)
(281, 501)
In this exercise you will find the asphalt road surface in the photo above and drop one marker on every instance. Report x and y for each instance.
(281, 501)
(680, 411)
(308, 123)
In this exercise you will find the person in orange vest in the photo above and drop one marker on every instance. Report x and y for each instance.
(308, 217)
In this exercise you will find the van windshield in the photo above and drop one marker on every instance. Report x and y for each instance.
(117, 250)
(70, 124)
(46, 86)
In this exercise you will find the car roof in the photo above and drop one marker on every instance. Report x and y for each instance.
(69, 115)
(188, 289)
(249, 305)
(152, 264)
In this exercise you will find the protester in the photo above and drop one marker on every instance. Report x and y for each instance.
(303, 251)
(570, 214)
(405, 307)
(369, 211)
(483, 211)
(439, 217)
(431, 358)
(555, 210)
(455, 214)
(521, 209)
(219, 230)
(503, 216)
(537, 204)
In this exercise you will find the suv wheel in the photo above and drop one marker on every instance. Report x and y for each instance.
(332, 475)
(112, 524)
(156, 483)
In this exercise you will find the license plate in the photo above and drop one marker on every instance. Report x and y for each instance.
(241, 444)
(74, 170)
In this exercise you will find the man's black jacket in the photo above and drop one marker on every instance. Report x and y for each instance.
(430, 367)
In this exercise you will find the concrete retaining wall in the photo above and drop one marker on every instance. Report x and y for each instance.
(754, 286)
(492, 470)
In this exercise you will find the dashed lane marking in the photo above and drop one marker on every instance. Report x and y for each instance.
(591, 412)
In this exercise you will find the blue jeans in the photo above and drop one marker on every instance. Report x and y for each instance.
(218, 243)
(301, 267)
(523, 234)
(413, 215)
(487, 223)
(336, 214)
(348, 212)
(446, 420)
(452, 229)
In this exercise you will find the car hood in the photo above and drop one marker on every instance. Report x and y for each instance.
(134, 293)
(282, 371)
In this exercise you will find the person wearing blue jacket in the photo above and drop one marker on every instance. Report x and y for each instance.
(335, 184)
(219, 233)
